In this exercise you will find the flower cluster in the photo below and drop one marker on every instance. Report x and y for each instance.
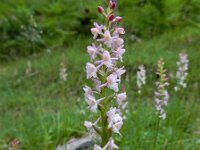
(161, 95)
(104, 96)
(182, 73)
(141, 77)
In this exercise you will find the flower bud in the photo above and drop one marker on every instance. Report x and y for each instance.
(112, 5)
(111, 17)
(118, 19)
(100, 9)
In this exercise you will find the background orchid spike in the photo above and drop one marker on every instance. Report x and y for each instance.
(182, 72)
(141, 77)
(161, 94)
(105, 72)
(63, 69)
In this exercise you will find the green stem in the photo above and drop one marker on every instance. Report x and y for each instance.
(103, 110)
(104, 135)
(157, 131)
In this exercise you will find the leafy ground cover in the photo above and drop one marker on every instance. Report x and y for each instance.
(42, 111)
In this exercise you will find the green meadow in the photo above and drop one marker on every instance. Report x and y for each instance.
(41, 111)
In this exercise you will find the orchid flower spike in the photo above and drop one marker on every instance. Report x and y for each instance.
(105, 72)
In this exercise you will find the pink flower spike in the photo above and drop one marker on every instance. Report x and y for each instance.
(91, 70)
(161, 94)
(105, 72)
(100, 9)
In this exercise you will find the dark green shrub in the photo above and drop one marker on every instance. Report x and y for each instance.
(60, 22)
(147, 18)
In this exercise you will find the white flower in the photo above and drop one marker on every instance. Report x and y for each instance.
(106, 60)
(96, 30)
(109, 146)
(107, 36)
(111, 113)
(117, 43)
(93, 51)
(118, 31)
(92, 102)
(112, 82)
(88, 91)
(119, 52)
(119, 72)
(121, 98)
(91, 70)
(97, 147)
(90, 125)
(112, 145)
(115, 121)
(107, 39)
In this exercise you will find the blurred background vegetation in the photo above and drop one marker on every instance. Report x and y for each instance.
(29, 26)
(41, 111)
